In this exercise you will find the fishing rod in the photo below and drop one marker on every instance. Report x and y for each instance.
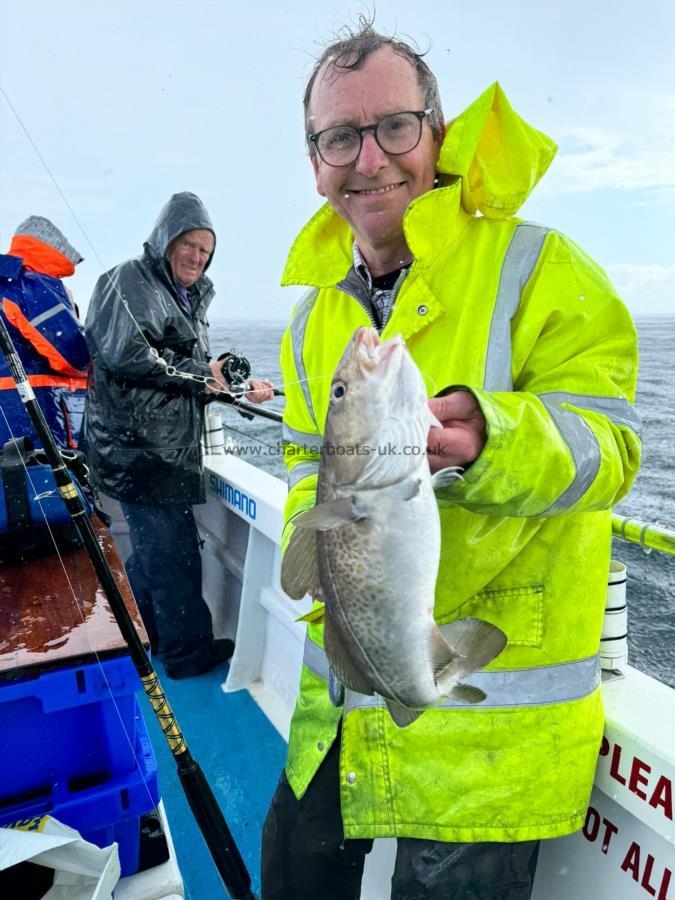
(204, 806)
(248, 410)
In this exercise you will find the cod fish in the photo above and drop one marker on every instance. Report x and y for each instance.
(370, 547)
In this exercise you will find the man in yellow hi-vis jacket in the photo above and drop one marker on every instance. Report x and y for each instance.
(535, 357)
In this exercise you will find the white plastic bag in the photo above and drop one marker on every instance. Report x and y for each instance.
(82, 871)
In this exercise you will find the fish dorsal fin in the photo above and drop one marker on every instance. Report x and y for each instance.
(466, 693)
(471, 645)
(402, 715)
(331, 514)
(341, 662)
(300, 565)
(336, 689)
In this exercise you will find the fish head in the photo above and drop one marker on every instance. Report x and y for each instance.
(378, 418)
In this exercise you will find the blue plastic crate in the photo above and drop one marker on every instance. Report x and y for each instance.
(106, 812)
(127, 834)
(65, 728)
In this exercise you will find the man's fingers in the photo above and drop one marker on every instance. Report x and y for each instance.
(458, 405)
(259, 391)
(457, 445)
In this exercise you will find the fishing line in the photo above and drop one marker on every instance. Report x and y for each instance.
(249, 436)
(170, 371)
(39, 497)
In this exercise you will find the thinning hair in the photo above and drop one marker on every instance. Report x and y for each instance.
(350, 50)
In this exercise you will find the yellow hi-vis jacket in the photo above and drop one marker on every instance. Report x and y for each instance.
(519, 315)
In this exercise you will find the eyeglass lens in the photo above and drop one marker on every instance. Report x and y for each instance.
(395, 134)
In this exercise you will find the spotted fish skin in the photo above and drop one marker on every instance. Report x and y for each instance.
(370, 548)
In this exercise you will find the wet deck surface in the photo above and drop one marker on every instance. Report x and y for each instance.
(43, 626)
(54, 614)
(241, 754)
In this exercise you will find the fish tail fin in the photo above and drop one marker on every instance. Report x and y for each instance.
(471, 644)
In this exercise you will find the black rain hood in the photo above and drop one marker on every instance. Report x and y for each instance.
(182, 212)
(142, 425)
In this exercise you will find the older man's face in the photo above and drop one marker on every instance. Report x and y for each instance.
(372, 193)
(188, 255)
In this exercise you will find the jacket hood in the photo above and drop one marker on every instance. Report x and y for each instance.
(498, 156)
(490, 161)
(39, 257)
(183, 212)
(44, 248)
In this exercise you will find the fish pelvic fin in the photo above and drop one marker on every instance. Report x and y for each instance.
(331, 514)
(463, 647)
(402, 715)
(300, 565)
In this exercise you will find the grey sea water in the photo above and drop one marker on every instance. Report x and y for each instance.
(651, 578)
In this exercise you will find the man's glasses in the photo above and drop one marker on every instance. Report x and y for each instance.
(396, 134)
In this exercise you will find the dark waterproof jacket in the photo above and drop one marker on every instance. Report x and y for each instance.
(143, 426)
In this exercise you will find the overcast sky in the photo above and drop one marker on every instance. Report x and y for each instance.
(128, 102)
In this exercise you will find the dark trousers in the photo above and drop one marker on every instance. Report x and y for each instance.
(305, 855)
(165, 572)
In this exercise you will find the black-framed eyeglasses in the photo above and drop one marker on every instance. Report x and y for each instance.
(396, 134)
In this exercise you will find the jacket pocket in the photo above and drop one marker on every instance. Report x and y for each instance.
(518, 611)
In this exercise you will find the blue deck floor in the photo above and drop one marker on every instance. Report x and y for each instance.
(241, 754)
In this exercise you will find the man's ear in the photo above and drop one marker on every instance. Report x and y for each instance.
(317, 174)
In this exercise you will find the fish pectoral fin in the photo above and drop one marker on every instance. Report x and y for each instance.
(331, 514)
(446, 477)
(300, 565)
(402, 715)
(342, 664)
(466, 693)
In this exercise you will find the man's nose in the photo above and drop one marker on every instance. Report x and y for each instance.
(372, 157)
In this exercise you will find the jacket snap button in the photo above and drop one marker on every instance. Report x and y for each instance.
(320, 745)
(351, 777)
(422, 310)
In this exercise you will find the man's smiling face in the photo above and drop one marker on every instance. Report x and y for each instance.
(372, 194)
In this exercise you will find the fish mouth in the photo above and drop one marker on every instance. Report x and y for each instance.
(374, 356)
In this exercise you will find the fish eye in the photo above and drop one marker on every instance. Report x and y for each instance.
(339, 390)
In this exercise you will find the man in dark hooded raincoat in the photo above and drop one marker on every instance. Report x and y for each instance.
(143, 425)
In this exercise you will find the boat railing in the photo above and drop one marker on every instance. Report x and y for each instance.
(650, 535)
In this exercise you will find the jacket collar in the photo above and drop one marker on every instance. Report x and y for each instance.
(322, 253)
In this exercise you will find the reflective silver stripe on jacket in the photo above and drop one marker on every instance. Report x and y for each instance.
(617, 409)
(584, 449)
(298, 327)
(47, 314)
(517, 687)
(315, 659)
(519, 262)
(308, 440)
(302, 470)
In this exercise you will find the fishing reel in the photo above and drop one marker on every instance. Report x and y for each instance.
(236, 369)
